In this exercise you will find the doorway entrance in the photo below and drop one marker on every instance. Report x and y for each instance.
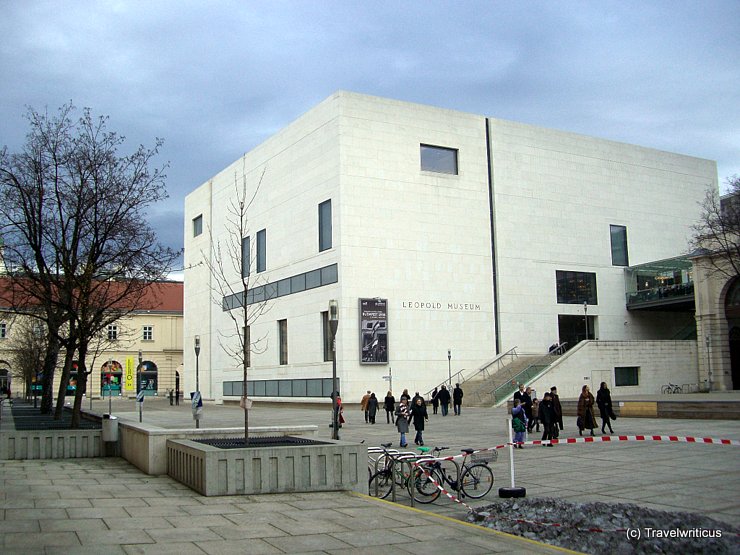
(573, 329)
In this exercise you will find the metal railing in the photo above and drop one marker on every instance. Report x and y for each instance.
(511, 384)
(496, 364)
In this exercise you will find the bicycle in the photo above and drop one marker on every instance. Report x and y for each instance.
(474, 479)
(671, 388)
(389, 467)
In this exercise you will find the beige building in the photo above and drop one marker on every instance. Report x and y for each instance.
(142, 351)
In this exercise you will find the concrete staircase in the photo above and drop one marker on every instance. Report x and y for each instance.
(486, 391)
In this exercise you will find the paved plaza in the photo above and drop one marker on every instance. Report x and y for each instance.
(109, 506)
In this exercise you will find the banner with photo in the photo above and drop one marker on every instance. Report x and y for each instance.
(373, 331)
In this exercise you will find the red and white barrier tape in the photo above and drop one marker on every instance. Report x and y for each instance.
(570, 440)
(609, 439)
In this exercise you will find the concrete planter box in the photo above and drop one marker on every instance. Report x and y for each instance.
(145, 446)
(50, 444)
(332, 466)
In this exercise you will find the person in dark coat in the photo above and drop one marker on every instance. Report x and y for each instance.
(586, 418)
(435, 401)
(444, 400)
(558, 411)
(402, 420)
(518, 394)
(419, 416)
(546, 417)
(535, 416)
(457, 397)
(389, 404)
(372, 407)
(604, 402)
(405, 395)
(526, 399)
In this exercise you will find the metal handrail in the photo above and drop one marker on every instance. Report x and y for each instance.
(498, 361)
(514, 380)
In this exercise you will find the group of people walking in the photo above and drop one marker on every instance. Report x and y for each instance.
(411, 410)
(528, 413)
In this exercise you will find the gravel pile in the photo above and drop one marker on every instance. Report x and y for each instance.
(625, 528)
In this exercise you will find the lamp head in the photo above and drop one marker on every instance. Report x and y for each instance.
(197, 345)
(333, 310)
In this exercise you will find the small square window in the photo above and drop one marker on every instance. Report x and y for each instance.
(439, 159)
(626, 376)
(197, 225)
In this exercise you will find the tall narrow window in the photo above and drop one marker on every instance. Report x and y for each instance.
(247, 345)
(326, 336)
(325, 242)
(619, 245)
(245, 257)
(197, 225)
(3, 330)
(148, 333)
(261, 250)
(439, 159)
(112, 332)
(283, 340)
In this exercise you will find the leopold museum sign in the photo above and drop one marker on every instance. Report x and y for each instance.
(436, 305)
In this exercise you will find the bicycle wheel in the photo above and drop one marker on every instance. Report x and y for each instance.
(476, 480)
(665, 389)
(423, 488)
(678, 389)
(381, 483)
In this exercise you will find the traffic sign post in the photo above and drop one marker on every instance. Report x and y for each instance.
(140, 401)
(197, 406)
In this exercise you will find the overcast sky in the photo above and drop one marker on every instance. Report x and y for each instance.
(216, 78)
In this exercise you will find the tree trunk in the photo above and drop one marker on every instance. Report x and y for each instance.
(64, 379)
(47, 382)
(81, 384)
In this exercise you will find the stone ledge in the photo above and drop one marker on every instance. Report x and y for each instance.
(331, 466)
(145, 446)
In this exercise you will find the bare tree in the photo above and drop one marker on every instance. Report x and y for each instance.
(76, 231)
(27, 343)
(235, 288)
(717, 234)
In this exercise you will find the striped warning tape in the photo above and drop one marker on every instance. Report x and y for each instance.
(571, 440)
(423, 466)
(609, 439)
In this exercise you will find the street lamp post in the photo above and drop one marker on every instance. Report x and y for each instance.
(585, 316)
(138, 384)
(197, 372)
(449, 365)
(709, 362)
(333, 324)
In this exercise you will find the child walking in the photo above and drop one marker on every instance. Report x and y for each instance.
(518, 423)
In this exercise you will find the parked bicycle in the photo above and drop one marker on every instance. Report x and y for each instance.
(671, 388)
(472, 479)
(388, 467)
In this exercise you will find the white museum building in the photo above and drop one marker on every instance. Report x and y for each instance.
(447, 239)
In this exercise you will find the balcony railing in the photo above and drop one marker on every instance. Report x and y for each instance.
(666, 292)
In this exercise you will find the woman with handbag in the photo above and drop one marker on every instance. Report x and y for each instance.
(586, 418)
(403, 415)
(604, 401)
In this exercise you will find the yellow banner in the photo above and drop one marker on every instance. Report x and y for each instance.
(129, 380)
